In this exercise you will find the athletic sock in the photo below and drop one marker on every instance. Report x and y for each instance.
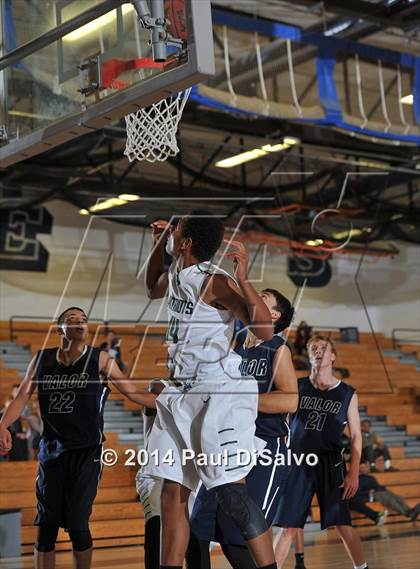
(300, 562)
(362, 566)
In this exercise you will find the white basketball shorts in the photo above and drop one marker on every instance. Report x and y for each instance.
(149, 491)
(206, 433)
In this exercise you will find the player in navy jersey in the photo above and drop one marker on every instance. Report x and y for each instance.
(326, 406)
(72, 386)
(270, 363)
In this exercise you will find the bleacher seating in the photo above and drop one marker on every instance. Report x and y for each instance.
(117, 517)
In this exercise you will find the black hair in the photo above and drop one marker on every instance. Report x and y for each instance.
(206, 233)
(60, 319)
(284, 306)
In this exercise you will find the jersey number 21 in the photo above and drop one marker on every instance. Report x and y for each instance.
(315, 421)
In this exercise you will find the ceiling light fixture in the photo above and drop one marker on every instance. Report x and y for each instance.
(129, 197)
(107, 204)
(110, 202)
(314, 242)
(255, 153)
(407, 100)
(349, 233)
(340, 27)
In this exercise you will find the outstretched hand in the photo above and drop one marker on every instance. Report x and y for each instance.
(159, 227)
(240, 259)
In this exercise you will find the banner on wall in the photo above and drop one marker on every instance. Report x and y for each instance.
(317, 272)
(20, 250)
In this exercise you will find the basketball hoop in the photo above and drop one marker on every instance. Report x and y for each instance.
(151, 132)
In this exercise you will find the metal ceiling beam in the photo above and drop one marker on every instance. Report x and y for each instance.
(271, 129)
(378, 102)
(380, 14)
(244, 69)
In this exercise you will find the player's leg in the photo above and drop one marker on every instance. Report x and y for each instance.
(83, 471)
(198, 553)
(261, 549)
(237, 504)
(44, 560)
(152, 543)
(82, 548)
(149, 491)
(50, 509)
(45, 546)
(168, 439)
(227, 425)
(238, 556)
(175, 523)
(333, 509)
(299, 550)
(294, 507)
(353, 545)
(283, 543)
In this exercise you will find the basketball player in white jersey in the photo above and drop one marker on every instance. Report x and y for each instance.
(208, 409)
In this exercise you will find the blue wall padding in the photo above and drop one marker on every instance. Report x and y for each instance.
(416, 92)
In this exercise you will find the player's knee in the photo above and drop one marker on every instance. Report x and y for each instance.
(344, 531)
(46, 538)
(236, 503)
(288, 533)
(81, 539)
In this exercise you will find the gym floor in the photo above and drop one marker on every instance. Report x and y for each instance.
(395, 546)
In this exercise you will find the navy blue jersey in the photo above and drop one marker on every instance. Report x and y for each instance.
(258, 363)
(321, 416)
(71, 399)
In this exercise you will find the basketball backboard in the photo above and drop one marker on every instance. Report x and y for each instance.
(94, 75)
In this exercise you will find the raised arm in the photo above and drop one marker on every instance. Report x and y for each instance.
(109, 368)
(351, 481)
(241, 299)
(284, 399)
(156, 274)
(16, 407)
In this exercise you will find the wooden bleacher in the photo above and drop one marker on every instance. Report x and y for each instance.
(117, 517)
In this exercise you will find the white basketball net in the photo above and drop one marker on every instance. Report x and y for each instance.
(151, 132)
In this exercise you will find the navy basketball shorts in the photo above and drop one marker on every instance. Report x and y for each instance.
(265, 484)
(304, 482)
(67, 486)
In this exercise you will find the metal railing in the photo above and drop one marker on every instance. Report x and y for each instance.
(396, 341)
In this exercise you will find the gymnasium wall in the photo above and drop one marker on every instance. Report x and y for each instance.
(390, 286)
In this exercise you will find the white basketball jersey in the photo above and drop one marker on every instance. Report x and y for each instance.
(199, 336)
